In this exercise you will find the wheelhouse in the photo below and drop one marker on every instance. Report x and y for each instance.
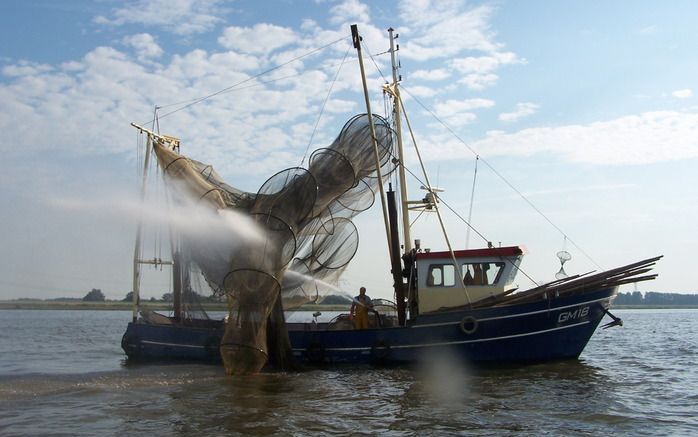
(477, 274)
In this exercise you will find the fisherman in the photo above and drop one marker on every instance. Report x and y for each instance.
(359, 309)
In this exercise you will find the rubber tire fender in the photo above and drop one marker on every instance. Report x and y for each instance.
(469, 325)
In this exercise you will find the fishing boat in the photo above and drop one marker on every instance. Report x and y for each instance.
(464, 301)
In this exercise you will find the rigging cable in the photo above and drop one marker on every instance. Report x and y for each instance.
(505, 180)
(402, 104)
(375, 64)
(470, 227)
(472, 200)
(410, 171)
(435, 204)
(139, 164)
(322, 109)
(201, 99)
(417, 178)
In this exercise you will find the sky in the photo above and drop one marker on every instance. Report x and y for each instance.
(584, 116)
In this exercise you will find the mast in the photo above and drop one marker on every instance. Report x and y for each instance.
(137, 261)
(407, 238)
(394, 90)
(137, 249)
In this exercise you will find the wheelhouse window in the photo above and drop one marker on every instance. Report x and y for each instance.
(482, 273)
(441, 275)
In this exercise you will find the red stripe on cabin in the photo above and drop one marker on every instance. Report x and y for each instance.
(474, 253)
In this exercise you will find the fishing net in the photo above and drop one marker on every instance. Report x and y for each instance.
(300, 233)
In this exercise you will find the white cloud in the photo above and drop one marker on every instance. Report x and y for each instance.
(682, 94)
(25, 68)
(485, 64)
(247, 130)
(441, 29)
(349, 10)
(452, 107)
(182, 17)
(431, 75)
(461, 118)
(52, 111)
(75, 114)
(262, 38)
(144, 44)
(458, 34)
(458, 112)
(478, 71)
(647, 138)
(477, 81)
(522, 110)
(419, 91)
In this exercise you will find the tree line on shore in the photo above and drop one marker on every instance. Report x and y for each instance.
(635, 298)
(96, 295)
(651, 298)
(654, 298)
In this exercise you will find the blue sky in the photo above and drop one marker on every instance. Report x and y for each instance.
(588, 108)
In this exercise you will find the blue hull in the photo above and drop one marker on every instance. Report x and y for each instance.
(556, 328)
(172, 342)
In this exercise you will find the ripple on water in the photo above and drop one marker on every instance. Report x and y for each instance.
(636, 380)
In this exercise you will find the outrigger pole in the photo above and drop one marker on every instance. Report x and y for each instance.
(357, 45)
(393, 246)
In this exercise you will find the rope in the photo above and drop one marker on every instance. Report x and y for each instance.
(322, 109)
(198, 100)
(139, 163)
(470, 227)
(505, 180)
(416, 177)
(449, 206)
(472, 200)
(374, 61)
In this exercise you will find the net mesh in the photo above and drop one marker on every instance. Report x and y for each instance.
(305, 234)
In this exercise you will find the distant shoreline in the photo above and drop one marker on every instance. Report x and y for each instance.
(128, 306)
(28, 304)
(654, 307)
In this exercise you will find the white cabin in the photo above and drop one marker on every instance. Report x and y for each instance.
(481, 273)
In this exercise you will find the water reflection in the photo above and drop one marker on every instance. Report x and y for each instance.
(391, 401)
(639, 379)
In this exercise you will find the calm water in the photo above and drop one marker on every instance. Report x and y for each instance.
(63, 373)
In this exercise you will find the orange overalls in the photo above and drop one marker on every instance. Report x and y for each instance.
(361, 313)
